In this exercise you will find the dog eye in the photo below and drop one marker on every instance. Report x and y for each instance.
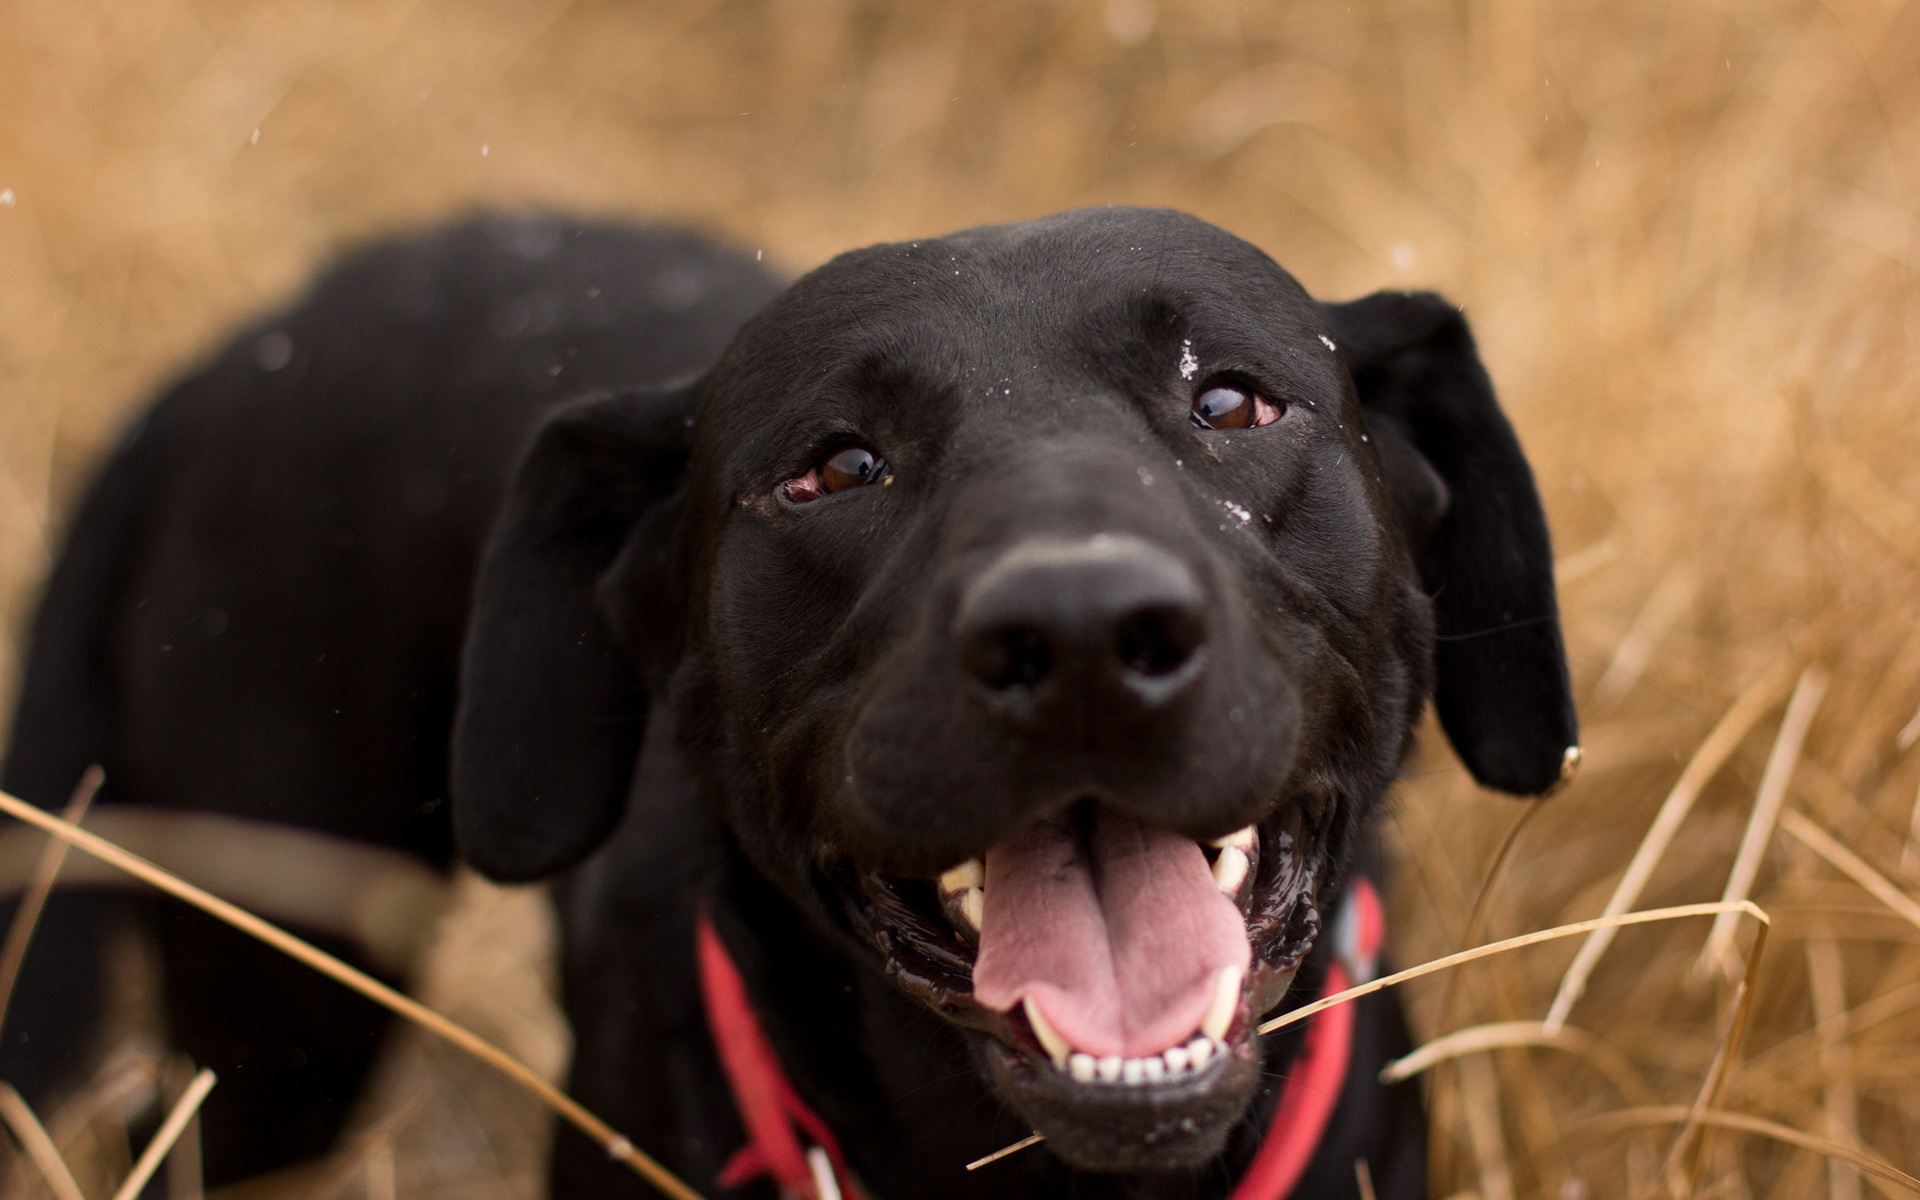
(1227, 407)
(851, 467)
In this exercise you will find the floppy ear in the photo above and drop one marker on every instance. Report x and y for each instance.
(1473, 521)
(552, 702)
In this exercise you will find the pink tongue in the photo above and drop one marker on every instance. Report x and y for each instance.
(1118, 942)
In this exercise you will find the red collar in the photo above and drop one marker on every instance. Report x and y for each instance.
(788, 1142)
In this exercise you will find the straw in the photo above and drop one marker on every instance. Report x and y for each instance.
(1621, 921)
(1673, 1114)
(1852, 866)
(1807, 693)
(38, 1145)
(1477, 1039)
(26, 918)
(168, 1133)
(617, 1147)
(1826, 981)
(1700, 769)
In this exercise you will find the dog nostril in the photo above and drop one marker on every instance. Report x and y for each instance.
(1157, 642)
(1013, 657)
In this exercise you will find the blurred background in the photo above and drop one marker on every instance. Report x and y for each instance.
(1686, 234)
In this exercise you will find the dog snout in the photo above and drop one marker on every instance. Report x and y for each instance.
(1110, 619)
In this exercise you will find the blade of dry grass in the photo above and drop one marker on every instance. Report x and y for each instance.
(1851, 865)
(1032, 1139)
(184, 1167)
(1480, 1093)
(382, 1175)
(1826, 981)
(1656, 618)
(169, 1132)
(39, 1146)
(26, 918)
(617, 1147)
(1885, 1007)
(1781, 761)
(1674, 1114)
(1483, 898)
(1363, 1179)
(1863, 746)
(1706, 762)
(1477, 1039)
(1681, 1168)
(1890, 516)
(1620, 921)
(1910, 853)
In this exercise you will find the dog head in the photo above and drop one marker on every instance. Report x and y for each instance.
(1047, 606)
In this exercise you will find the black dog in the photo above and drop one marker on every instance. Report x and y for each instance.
(1005, 663)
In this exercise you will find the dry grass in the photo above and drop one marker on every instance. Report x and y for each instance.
(1687, 235)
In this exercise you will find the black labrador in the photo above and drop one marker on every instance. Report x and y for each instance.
(1002, 648)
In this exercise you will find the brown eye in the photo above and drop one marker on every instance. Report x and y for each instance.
(843, 469)
(850, 468)
(1227, 407)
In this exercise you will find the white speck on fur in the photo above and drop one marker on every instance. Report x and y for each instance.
(1327, 342)
(1189, 365)
(1239, 514)
(6, 197)
(1146, 476)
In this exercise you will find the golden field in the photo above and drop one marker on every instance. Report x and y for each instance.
(1687, 235)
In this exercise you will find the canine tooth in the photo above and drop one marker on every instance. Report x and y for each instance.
(1057, 1048)
(1155, 1068)
(1133, 1071)
(1109, 1068)
(1230, 869)
(1226, 1002)
(1081, 1066)
(1200, 1051)
(973, 906)
(1240, 839)
(1178, 1060)
(969, 874)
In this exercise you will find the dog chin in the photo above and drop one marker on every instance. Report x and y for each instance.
(1160, 1125)
(1173, 1103)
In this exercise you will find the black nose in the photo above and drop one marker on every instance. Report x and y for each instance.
(1106, 618)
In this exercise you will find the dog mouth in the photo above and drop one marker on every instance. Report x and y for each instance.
(1117, 969)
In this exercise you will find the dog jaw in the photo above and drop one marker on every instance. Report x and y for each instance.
(1168, 1109)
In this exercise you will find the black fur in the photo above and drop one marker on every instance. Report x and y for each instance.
(696, 694)
(260, 604)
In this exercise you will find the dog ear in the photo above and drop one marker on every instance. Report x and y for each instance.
(1473, 520)
(553, 701)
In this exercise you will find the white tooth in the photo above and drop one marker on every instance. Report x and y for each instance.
(973, 907)
(1226, 1002)
(969, 874)
(1082, 1067)
(1109, 1068)
(1240, 839)
(1230, 870)
(1177, 1059)
(1155, 1068)
(1133, 1071)
(1056, 1046)
(1200, 1050)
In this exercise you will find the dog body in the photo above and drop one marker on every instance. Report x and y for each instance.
(1003, 646)
(259, 607)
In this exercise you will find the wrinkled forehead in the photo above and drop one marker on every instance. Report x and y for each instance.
(1082, 300)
